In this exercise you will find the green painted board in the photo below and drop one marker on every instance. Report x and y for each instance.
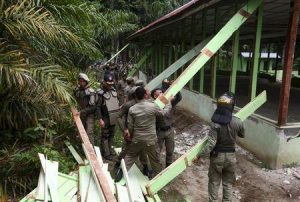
(209, 50)
(169, 173)
(180, 164)
(74, 153)
(176, 65)
(252, 106)
(87, 186)
(140, 63)
(129, 186)
(117, 53)
(29, 197)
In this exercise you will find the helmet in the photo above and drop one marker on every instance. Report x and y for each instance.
(139, 82)
(165, 84)
(84, 77)
(226, 100)
(129, 78)
(109, 79)
(225, 106)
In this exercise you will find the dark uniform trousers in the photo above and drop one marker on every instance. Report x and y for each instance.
(150, 149)
(125, 147)
(89, 124)
(167, 137)
(107, 136)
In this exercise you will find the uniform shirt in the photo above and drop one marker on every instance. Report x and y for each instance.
(123, 114)
(168, 119)
(142, 121)
(234, 128)
(86, 99)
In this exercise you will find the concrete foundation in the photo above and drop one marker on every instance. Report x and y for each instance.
(263, 138)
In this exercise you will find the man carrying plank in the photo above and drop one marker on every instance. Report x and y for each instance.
(221, 147)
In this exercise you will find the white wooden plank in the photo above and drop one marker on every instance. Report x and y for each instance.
(122, 193)
(51, 172)
(84, 178)
(128, 183)
(138, 181)
(99, 157)
(99, 190)
(74, 153)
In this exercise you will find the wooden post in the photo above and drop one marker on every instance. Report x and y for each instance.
(256, 53)
(201, 90)
(209, 50)
(288, 64)
(235, 60)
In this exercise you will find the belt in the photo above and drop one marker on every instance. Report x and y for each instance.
(166, 128)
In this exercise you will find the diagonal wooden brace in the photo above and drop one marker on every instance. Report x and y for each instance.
(211, 48)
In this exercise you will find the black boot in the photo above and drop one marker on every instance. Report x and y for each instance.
(145, 170)
(119, 175)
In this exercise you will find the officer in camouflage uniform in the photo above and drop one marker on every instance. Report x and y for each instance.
(221, 146)
(86, 99)
(164, 126)
(106, 112)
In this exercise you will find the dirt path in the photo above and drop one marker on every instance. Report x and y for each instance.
(254, 183)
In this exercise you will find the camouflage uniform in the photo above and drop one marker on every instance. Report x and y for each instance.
(85, 98)
(221, 146)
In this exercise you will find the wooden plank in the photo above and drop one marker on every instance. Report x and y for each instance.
(92, 158)
(84, 178)
(140, 63)
(67, 187)
(99, 190)
(30, 197)
(117, 54)
(252, 106)
(40, 191)
(209, 50)
(169, 173)
(177, 167)
(51, 177)
(99, 156)
(138, 182)
(128, 183)
(122, 193)
(177, 65)
(74, 153)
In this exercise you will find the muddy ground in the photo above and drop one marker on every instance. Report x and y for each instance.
(254, 182)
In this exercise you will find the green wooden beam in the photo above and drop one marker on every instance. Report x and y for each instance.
(193, 35)
(256, 54)
(169, 173)
(209, 50)
(252, 106)
(177, 167)
(235, 60)
(215, 59)
(117, 53)
(202, 72)
(176, 65)
(140, 63)
(74, 153)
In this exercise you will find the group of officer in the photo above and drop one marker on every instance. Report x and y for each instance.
(146, 128)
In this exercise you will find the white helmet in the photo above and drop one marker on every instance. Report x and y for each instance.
(84, 77)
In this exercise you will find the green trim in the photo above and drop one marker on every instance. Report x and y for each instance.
(210, 49)
(235, 60)
(140, 63)
(176, 65)
(256, 52)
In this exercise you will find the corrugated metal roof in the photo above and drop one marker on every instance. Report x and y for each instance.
(177, 12)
